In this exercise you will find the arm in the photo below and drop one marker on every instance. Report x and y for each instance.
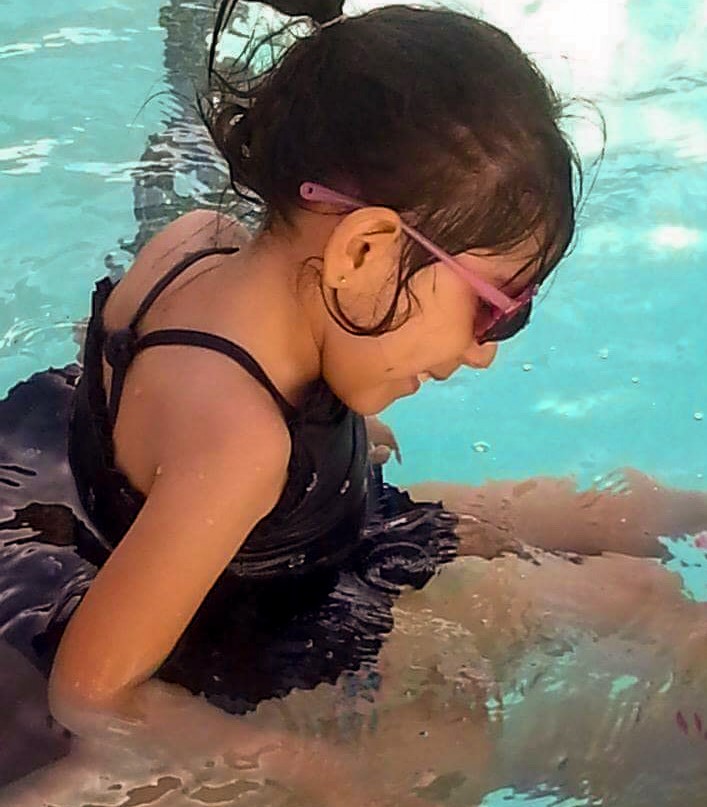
(214, 485)
(216, 482)
(626, 516)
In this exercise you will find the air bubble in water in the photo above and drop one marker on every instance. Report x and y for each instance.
(635, 380)
(481, 448)
(527, 367)
(604, 353)
(699, 415)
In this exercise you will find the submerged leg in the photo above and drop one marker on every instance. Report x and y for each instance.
(625, 514)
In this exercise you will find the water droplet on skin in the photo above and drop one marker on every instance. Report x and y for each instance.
(481, 447)
(158, 470)
(604, 353)
(527, 367)
(699, 415)
(296, 560)
(210, 522)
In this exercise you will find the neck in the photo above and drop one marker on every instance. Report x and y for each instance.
(293, 314)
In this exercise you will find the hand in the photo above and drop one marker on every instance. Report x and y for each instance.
(381, 442)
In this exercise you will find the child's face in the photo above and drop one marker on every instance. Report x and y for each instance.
(369, 373)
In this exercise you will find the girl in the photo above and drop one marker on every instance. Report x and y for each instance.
(217, 440)
(418, 192)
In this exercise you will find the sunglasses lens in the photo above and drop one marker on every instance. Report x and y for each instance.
(506, 326)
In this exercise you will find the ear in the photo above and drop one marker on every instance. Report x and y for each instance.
(362, 250)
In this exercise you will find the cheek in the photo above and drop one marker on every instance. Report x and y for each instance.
(451, 326)
(434, 336)
(353, 367)
(445, 319)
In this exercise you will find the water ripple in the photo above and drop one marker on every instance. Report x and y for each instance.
(29, 157)
(82, 36)
(68, 36)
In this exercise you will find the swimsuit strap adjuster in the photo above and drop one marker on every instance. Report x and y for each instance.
(120, 348)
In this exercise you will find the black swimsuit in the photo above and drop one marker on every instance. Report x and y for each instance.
(318, 519)
(308, 597)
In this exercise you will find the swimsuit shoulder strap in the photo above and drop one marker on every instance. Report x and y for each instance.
(169, 277)
(210, 341)
(121, 346)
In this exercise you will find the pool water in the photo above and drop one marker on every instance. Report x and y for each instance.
(613, 371)
(75, 75)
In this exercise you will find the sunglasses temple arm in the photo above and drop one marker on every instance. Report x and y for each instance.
(313, 192)
(484, 289)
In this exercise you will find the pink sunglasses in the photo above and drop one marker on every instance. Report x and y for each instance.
(505, 315)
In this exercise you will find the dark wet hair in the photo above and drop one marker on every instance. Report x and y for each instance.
(431, 112)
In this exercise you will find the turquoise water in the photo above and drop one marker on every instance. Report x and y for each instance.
(613, 371)
(74, 76)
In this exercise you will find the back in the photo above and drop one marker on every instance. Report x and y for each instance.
(189, 234)
(318, 516)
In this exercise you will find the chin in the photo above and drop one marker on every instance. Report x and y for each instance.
(367, 403)
(367, 409)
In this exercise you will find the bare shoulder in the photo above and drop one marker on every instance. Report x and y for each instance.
(224, 422)
(207, 228)
(190, 233)
(199, 229)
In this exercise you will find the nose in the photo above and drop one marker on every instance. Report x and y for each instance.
(480, 356)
